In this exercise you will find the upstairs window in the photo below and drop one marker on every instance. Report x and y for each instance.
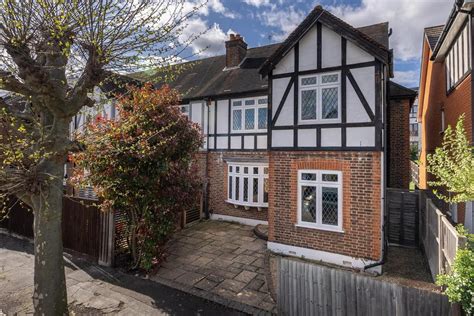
(248, 184)
(458, 59)
(320, 199)
(319, 98)
(249, 115)
(414, 129)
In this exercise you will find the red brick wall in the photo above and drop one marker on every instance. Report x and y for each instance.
(399, 144)
(454, 104)
(217, 168)
(361, 173)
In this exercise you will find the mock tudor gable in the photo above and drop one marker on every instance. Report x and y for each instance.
(326, 86)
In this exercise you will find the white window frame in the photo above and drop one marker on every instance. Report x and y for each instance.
(457, 60)
(185, 112)
(319, 86)
(319, 184)
(244, 107)
(261, 176)
(443, 121)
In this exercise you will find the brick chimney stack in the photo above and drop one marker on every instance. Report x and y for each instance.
(236, 49)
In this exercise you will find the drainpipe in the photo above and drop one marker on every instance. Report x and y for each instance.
(206, 172)
(385, 84)
(471, 21)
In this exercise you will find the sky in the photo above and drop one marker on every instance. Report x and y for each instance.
(263, 22)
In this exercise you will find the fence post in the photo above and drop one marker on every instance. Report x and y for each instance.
(427, 215)
(106, 253)
(440, 243)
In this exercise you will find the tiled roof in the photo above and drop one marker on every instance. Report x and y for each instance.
(432, 35)
(207, 78)
(397, 91)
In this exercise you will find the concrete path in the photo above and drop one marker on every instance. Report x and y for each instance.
(93, 290)
(220, 261)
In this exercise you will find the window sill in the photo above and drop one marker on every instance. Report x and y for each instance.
(334, 230)
(247, 205)
(322, 122)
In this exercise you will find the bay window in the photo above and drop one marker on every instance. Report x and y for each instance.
(320, 199)
(248, 184)
(319, 98)
(249, 115)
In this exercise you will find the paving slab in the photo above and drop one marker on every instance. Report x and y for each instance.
(228, 267)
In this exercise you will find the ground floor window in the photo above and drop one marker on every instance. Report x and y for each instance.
(248, 184)
(320, 199)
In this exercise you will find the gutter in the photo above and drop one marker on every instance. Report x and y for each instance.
(460, 6)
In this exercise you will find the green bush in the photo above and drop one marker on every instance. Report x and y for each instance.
(459, 282)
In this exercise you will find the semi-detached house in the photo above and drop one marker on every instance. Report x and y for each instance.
(294, 137)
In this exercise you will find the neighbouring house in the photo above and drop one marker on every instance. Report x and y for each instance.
(445, 91)
(399, 135)
(294, 137)
(415, 127)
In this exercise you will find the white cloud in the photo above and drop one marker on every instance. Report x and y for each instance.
(409, 78)
(206, 7)
(285, 20)
(218, 7)
(257, 3)
(407, 18)
(211, 42)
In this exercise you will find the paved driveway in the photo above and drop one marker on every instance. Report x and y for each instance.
(221, 261)
(93, 290)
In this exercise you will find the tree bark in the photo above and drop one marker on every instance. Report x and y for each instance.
(50, 296)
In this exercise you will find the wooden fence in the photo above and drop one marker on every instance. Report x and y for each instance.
(403, 219)
(85, 229)
(310, 289)
(440, 239)
(415, 173)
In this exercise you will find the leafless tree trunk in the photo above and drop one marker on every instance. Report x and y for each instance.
(43, 45)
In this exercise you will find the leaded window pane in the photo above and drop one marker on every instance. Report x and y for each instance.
(249, 118)
(309, 81)
(237, 188)
(237, 169)
(308, 204)
(262, 101)
(237, 120)
(246, 189)
(308, 101)
(237, 103)
(308, 176)
(249, 102)
(330, 78)
(246, 170)
(329, 206)
(330, 103)
(230, 188)
(255, 170)
(262, 118)
(255, 190)
(330, 177)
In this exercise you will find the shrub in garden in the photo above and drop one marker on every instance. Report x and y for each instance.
(142, 164)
